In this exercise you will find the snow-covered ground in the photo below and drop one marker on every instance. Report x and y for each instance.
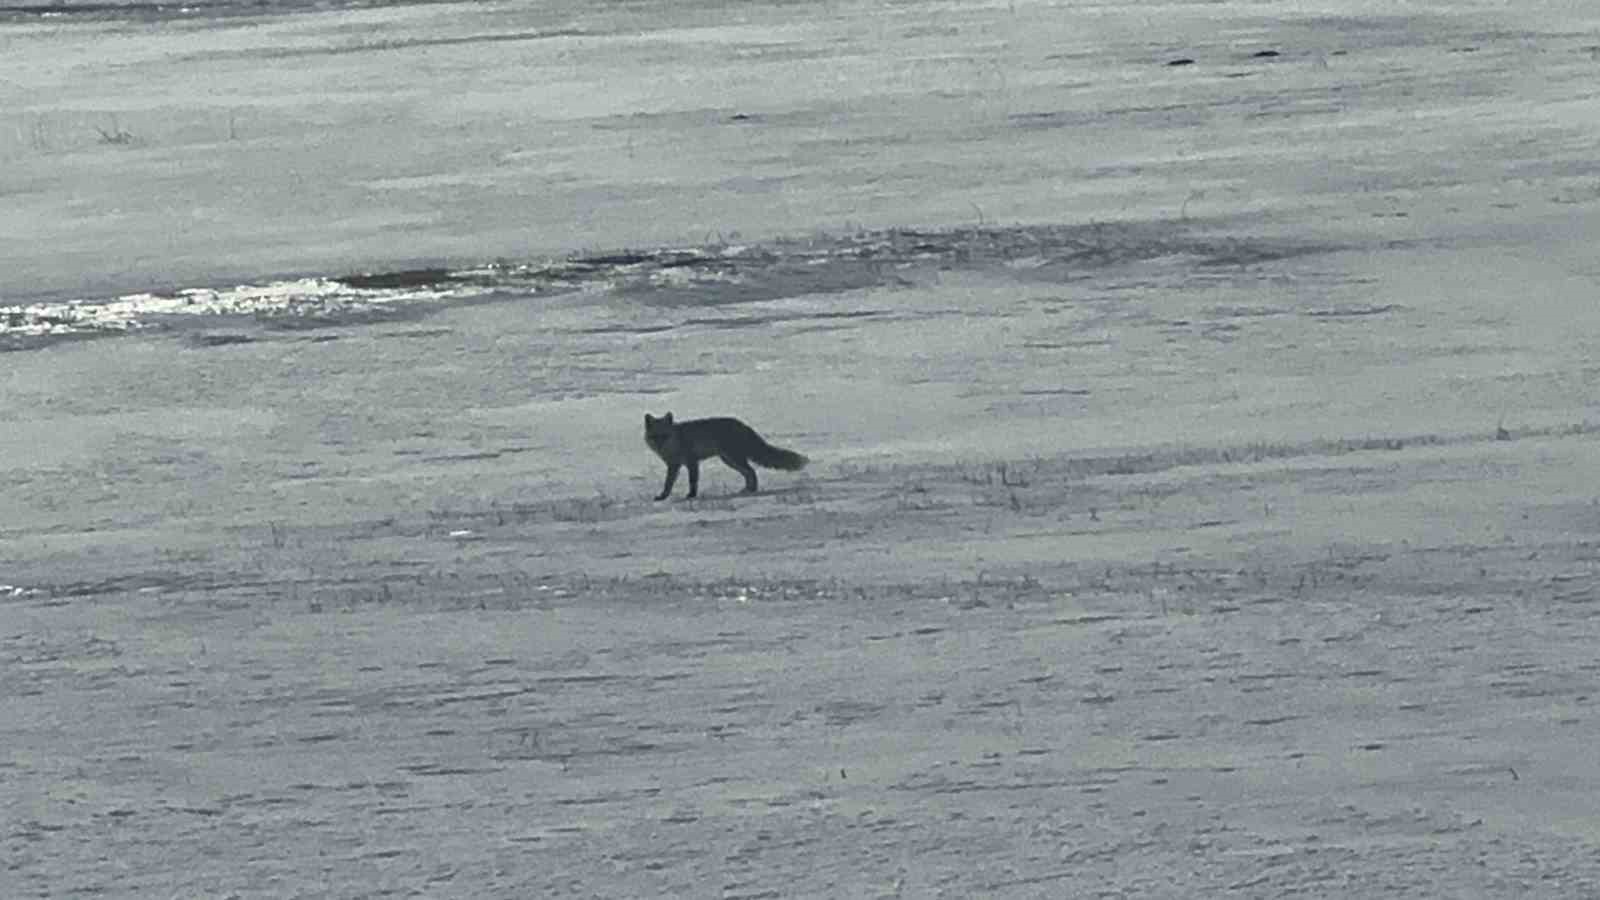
(1201, 499)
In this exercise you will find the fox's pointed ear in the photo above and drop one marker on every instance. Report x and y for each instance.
(667, 418)
(648, 419)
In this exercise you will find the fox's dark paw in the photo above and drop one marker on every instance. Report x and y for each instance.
(662, 496)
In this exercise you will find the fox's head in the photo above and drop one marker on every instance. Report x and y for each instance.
(661, 426)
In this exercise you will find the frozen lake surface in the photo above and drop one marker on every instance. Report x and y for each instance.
(1201, 497)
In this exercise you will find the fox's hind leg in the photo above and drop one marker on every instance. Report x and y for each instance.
(742, 466)
(672, 477)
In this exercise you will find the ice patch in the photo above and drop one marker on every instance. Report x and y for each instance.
(712, 275)
(298, 297)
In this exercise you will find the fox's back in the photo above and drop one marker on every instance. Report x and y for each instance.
(704, 438)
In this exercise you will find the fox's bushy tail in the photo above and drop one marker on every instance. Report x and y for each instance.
(770, 457)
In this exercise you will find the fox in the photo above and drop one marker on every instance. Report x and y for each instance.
(684, 444)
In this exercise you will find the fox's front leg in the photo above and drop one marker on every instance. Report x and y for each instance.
(694, 478)
(672, 477)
